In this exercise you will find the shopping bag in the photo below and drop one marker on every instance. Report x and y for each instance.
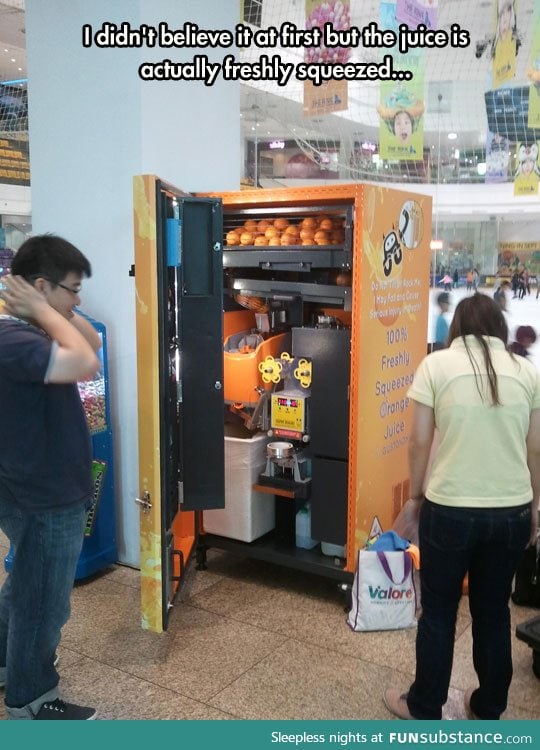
(383, 592)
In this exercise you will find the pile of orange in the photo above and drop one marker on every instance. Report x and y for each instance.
(317, 229)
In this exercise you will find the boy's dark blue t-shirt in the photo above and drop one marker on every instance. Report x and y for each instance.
(45, 447)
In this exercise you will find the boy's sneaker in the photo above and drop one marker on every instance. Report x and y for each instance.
(58, 710)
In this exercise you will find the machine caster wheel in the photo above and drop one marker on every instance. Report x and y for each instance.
(347, 591)
(200, 557)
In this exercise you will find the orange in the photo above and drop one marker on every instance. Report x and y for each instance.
(308, 235)
(321, 237)
(326, 224)
(271, 232)
(232, 238)
(281, 223)
(309, 223)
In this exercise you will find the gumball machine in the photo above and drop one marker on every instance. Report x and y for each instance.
(99, 547)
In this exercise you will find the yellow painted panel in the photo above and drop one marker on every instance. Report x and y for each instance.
(144, 191)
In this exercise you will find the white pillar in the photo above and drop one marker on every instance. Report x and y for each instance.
(93, 125)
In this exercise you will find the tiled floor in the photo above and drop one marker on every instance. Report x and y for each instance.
(250, 640)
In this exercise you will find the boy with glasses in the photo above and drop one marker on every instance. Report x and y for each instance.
(45, 467)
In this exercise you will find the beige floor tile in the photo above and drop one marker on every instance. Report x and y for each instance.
(315, 615)
(123, 574)
(251, 640)
(197, 581)
(199, 654)
(300, 681)
(118, 695)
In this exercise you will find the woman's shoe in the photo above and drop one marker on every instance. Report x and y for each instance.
(396, 703)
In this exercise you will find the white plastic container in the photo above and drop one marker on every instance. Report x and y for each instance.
(303, 528)
(247, 514)
(334, 550)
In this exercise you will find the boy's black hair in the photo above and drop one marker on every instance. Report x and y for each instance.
(50, 257)
(443, 298)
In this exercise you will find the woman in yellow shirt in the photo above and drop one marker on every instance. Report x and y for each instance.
(480, 508)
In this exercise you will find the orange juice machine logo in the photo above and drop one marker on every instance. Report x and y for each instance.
(408, 235)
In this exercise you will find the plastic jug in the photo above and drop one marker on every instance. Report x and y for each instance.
(303, 528)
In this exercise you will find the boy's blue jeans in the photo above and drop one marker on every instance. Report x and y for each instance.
(35, 601)
(488, 544)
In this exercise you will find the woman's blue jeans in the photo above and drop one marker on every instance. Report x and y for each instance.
(488, 544)
(35, 600)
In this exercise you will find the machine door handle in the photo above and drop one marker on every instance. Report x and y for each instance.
(144, 502)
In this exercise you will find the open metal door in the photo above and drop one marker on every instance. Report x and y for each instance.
(178, 277)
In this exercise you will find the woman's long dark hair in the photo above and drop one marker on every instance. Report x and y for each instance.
(480, 316)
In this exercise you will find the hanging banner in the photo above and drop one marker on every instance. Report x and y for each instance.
(527, 174)
(533, 70)
(401, 103)
(413, 12)
(497, 157)
(504, 49)
(332, 96)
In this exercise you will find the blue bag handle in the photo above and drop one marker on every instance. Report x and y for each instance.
(407, 565)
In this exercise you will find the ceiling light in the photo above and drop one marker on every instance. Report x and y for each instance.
(452, 136)
(13, 59)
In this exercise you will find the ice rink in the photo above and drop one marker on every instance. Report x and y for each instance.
(525, 312)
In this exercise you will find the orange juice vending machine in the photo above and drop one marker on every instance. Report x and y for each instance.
(278, 332)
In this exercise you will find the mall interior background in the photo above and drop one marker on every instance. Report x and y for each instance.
(78, 124)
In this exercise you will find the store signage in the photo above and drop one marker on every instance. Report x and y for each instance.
(14, 162)
(276, 144)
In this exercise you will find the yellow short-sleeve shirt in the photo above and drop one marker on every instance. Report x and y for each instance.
(482, 456)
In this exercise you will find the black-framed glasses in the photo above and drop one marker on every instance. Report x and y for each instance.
(62, 286)
(67, 288)
(30, 279)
